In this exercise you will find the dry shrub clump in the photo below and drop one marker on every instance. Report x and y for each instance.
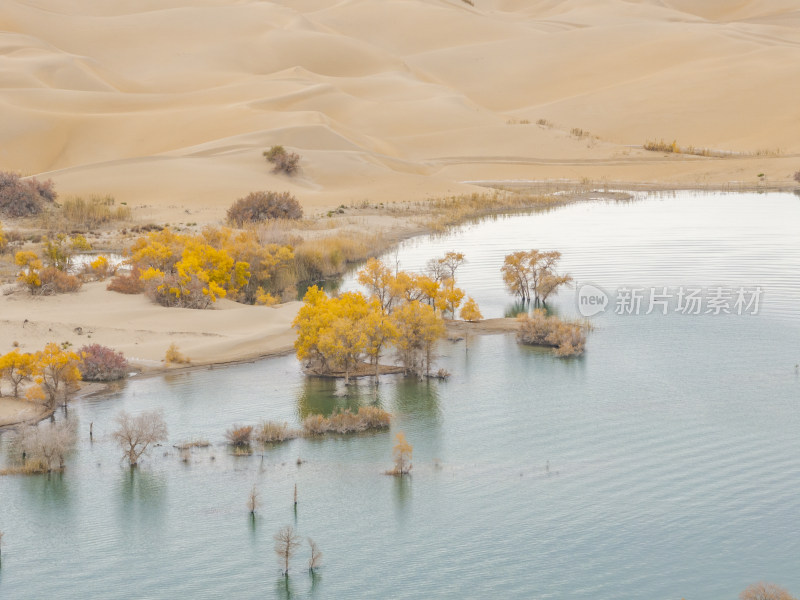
(367, 418)
(327, 256)
(269, 432)
(282, 161)
(90, 214)
(661, 146)
(101, 363)
(57, 282)
(262, 206)
(24, 198)
(568, 338)
(239, 435)
(797, 176)
(174, 356)
(127, 283)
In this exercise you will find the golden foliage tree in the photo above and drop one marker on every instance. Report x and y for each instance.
(17, 367)
(379, 281)
(470, 311)
(379, 332)
(449, 298)
(418, 330)
(532, 272)
(57, 371)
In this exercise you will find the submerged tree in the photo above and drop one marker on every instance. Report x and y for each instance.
(532, 272)
(46, 447)
(401, 452)
(286, 544)
(136, 434)
(252, 500)
(765, 591)
(315, 559)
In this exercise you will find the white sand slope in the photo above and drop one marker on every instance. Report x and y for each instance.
(169, 103)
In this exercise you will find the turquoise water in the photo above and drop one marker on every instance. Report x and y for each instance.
(662, 464)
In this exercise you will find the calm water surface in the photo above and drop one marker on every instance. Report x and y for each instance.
(663, 464)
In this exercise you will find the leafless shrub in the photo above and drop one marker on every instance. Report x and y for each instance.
(262, 206)
(24, 198)
(315, 558)
(765, 591)
(282, 161)
(55, 281)
(286, 544)
(136, 434)
(101, 363)
(797, 176)
(44, 448)
(127, 283)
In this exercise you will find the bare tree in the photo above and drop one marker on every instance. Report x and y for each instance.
(252, 500)
(765, 591)
(136, 434)
(315, 560)
(49, 445)
(286, 544)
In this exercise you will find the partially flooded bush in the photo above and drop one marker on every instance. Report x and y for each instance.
(101, 363)
(24, 198)
(44, 448)
(568, 339)
(239, 435)
(262, 206)
(367, 418)
(269, 432)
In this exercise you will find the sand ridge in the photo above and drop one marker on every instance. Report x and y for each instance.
(167, 105)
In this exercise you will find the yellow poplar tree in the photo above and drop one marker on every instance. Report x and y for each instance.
(449, 297)
(419, 328)
(379, 281)
(57, 372)
(17, 367)
(402, 453)
(379, 332)
(470, 310)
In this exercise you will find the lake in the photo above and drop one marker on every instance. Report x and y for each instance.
(663, 463)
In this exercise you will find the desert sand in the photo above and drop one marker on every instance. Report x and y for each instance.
(168, 104)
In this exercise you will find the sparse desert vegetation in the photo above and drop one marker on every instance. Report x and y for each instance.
(282, 160)
(257, 207)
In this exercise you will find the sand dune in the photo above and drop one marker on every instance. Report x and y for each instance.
(168, 104)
